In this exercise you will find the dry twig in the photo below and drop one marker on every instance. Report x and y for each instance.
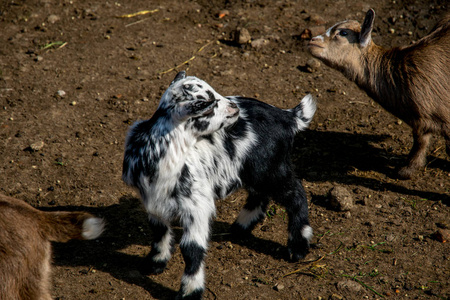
(312, 263)
(139, 13)
(187, 61)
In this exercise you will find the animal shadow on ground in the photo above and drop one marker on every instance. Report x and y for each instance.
(318, 156)
(337, 157)
(126, 225)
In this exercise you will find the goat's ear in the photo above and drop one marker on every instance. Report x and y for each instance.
(365, 36)
(196, 108)
(180, 75)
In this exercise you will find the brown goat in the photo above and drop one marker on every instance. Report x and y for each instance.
(25, 248)
(411, 82)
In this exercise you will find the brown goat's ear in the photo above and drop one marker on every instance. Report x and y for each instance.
(365, 36)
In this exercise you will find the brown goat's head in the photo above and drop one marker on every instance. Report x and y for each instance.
(342, 45)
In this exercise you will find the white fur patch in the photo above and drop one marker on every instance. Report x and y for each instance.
(307, 232)
(247, 217)
(164, 247)
(92, 228)
(194, 282)
(307, 112)
(319, 37)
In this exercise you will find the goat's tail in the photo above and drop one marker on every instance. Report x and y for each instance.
(304, 112)
(61, 226)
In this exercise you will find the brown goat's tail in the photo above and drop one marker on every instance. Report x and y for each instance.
(62, 226)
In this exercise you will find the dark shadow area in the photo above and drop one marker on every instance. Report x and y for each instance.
(126, 224)
(323, 156)
(221, 233)
(318, 156)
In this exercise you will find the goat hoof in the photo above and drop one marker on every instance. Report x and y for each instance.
(406, 172)
(297, 250)
(295, 256)
(150, 267)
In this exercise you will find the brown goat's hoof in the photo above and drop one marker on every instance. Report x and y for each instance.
(406, 172)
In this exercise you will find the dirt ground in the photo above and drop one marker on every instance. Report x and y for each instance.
(74, 76)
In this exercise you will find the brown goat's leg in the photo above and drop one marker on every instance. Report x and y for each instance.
(417, 155)
(446, 134)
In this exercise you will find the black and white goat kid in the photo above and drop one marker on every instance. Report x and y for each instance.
(200, 146)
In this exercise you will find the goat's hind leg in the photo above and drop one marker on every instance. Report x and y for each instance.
(252, 213)
(162, 247)
(293, 197)
(446, 134)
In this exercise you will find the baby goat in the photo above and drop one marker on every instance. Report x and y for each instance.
(25, 248)
(199, 147)
(411, 82)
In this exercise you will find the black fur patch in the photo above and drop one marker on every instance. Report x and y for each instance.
(211, 95)
(200, 125)
(138, 140)
(193, 255)
(210, 139)
(184, 184)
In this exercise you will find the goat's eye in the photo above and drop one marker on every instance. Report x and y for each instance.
(343, 32)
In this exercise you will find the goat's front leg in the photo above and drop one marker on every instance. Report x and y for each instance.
(162, 247)
(418, 154)
(293, 197)
(193, 246)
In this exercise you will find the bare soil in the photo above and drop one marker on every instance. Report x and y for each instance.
(74, 76)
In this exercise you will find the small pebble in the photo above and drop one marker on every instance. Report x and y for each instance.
(278, 287)
(442, 235)
(341, 199)
(259, 43)
(37, 146)
(53, 19)
(312, 65)
(242, 36)
(61, 93)
(223, 13)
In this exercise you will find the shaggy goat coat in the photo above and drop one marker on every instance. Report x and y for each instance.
(200, 146)
(25, 248)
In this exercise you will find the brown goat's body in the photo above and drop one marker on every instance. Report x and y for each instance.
(25, 248)
(412, 83)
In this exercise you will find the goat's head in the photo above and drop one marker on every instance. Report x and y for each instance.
(343, 44)
(195, 103)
